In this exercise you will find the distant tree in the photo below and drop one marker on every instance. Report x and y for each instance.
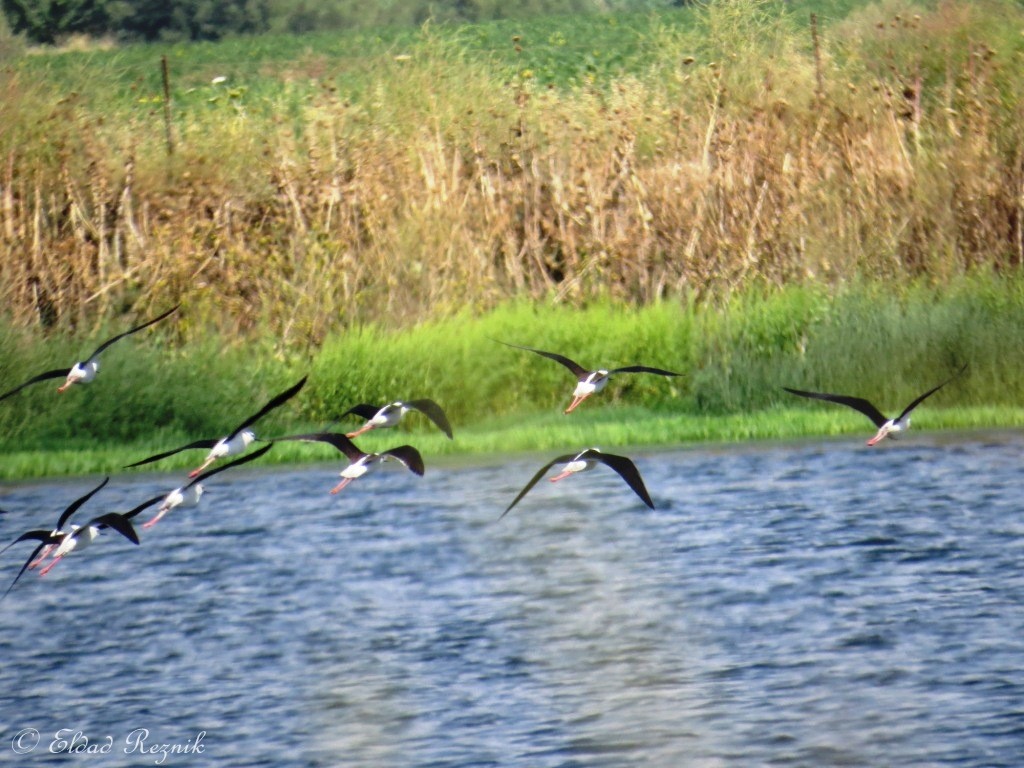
(47, 21)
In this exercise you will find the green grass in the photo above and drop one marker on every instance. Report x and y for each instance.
(886, 345)
(612, 429)
(561, 51)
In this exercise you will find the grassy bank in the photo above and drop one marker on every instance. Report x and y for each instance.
(886, 345)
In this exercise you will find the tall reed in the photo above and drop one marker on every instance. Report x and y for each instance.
(323, 193)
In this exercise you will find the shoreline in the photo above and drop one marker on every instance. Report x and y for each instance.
(489, 444)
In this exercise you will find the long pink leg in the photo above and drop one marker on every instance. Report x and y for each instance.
(342, 484)
(46, 570)
(575, 402)
(202, 466)
(556, 478)
(358, 432)
(46, 553)
(879, 437)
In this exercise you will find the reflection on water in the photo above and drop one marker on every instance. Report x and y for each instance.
(810, 604)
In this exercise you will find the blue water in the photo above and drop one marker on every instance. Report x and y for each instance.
(816, 604)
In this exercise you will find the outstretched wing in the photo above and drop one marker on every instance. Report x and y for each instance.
(58, 373)
(165, 454)
(362, 410)
(144, 505)
(274, 402)
(44, 538)
(930, 392)
(577, 369)
(74, 506)
(627, 471)
(408, 456)
(243, 460)
(130, 331)
(117, 522)
(432, 411)
(535, 478)
(857, 403)
(643, 369)
(336, 439)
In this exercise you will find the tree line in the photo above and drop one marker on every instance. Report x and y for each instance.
(50, 22)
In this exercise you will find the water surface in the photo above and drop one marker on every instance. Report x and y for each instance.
(813, 604)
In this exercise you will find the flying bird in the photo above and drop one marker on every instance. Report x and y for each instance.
(189, 494)
(886, 427)
(235, 442)
(361, 462)
(585, 461)
(58, 531)
(383, 416)
(84, 371)
(590, 382)
(67, 541)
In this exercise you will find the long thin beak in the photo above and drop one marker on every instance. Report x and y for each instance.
(880, 436)
(576, 401)
(358, 432)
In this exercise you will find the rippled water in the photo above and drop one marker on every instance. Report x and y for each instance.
(814, 604)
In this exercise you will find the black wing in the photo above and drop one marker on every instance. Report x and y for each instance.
(59, 373)
(363, 411)
(577, 369)
(274, 402)
(627, 471)
(144, 505)
(643, 369)
(857, 403)
(44, 538)
(243, 460)
(74, 506)
(535, 478)
(930, 392)
(165, 454)
(336, 439)
(432, 411)
(117, 522)
(408, 456)
(137, 328)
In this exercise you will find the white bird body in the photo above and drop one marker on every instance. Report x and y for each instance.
(189, 494)
(577, 464)
(186, 496)
(590, 382)
(390, 415)
(361, 462)
(886, 427)
(81, 373)
(77, 539)
(231, 446)
(584, 461)
(591, 385)
(85, 371)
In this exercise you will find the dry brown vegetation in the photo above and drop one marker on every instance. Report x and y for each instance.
(758, 151)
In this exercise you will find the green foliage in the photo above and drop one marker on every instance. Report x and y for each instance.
(866, 340)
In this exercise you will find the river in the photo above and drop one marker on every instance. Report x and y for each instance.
(819, 603)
